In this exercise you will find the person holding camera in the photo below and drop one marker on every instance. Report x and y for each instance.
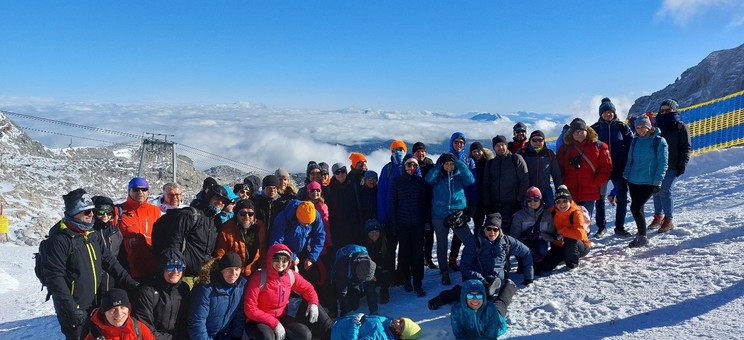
(448, 179)
(585, 165)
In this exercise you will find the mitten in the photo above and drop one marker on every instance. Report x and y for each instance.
(280, 332)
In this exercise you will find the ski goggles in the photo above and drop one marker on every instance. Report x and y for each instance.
(471, 296)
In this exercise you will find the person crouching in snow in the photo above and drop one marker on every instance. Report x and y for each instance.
(360, 326)
(112, 320)
(475, 317)
(353, 275)
(571, 241)
(533, 226)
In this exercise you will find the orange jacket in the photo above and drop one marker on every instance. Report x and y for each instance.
(564, 227)
(135, 223)
(118, 333)
(230, 239)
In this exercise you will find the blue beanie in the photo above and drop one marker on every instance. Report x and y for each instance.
(606, 105)
(138, 182)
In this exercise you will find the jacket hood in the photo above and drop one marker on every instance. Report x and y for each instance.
(472, 286)
(273, 250)
(461, 155)
(591, 136)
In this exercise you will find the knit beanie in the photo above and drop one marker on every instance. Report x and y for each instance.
(411, 330)
(418, 146)
(323, 167)
(606, 105)
(498, 139)
(231, 259)
(562, 193)
(305, 212)
(114, 298)
(208, 182)
(77, 201)
(537, 133)
(103, 203)
(370, 174)
(244, 204)
(446, 157)
(577, 124)
(240, 186)
(410, 159)
(365, 269)
(270, 181)
(533, 192)
(519, 126)
(493, 220)
(643, 121)
(398, 144)
(672, 103)
(313, 185)
(371, 225)
(281, 173)
(171, 257)
(476, 146)
(310, 166)
(356, 157)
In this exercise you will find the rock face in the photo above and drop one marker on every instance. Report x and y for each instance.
(719, 74)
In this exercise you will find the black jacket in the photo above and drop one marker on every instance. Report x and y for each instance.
(267, 210)
(344, 213)
(408, 201)
(75, 264)
(164, 308)
(194, 235)
(112, 239)
(368, 202)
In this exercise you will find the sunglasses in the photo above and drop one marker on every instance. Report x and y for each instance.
(246, 213)
(172, 267)
(533, 199)
(494, 229)
(537, 140)
(411, 165)
(104, 212)
(282, 259)
(315, 190)
(87, 212)
(520, 131)
(140, 189)
(338, 172)
(471, 296)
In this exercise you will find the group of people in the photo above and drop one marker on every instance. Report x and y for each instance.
(225, 265)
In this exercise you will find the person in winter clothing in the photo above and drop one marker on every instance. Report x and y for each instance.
(425, 165)
(245, 235)
(195, 232)
(677, 136)
(475, 317)
(345, 212)
(533, 226)
(113, 321)
(367, 327)
(358, 168)
(368, 195)
(645, 171)
(227, 211)
(585, 165)
(269, 204)
(299, 226)
(135, 218)
(112, 238)
(448, 179)
(214, 311)
(617, 135)
(287, 187)
(570, 241)
(163, 302)
(172, 198)
(320, 277)
(505, 181)
(242, 190)
(316, 172)
(75, 262)
(201, 196)
(267, 296)
(408, 214)
(252, 183)
(480, 156)
(376, 242)
(325, 175)
(389, 172)
(542, 166)
(457, 148)
(353, 275)
(519, 140)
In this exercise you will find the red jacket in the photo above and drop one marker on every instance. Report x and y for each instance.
(231, 239)
(584, 183)
(269, 304)
(136, 227)
(118, 333)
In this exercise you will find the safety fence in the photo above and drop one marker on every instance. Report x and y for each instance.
(716, 124)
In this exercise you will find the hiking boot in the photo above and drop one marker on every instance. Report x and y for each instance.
(453, 264)
(445, 278)
(655, 223)
(435, 303)
(600, 232)
(407, 286)
(384, 295)
(638, 241)
(622, 232)
(430, 263)
(420, 292)
(666, 225)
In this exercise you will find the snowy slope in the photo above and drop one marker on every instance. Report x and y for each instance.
(687, 284)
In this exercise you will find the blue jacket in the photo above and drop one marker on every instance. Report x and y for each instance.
(388, 173)
(483, 260)
(471, 191)
(289, 231)
(617, 135)
(484, 323)
(408, 201)
(362, 327)
(216, 310)
(448, 189)
(647, 164)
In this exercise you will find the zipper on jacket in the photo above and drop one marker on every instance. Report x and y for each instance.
(92, 257)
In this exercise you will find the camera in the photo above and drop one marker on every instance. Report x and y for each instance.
(576, 162)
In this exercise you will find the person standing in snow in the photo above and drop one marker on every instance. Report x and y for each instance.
(505, 181)
(426, 164)
(677, 136)
(645, 170)
(457, 148)
(542, 166)
(112, 238)
(135, 218)
(358, 168)
(520, 138)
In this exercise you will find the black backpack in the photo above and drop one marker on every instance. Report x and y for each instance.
(40, 258)
(164, 226)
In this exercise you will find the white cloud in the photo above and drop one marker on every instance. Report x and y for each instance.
(682, 11)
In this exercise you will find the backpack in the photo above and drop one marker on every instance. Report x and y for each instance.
(261, 285)
(355, 255)
(587, 218)
(40, 258)
(164, 226)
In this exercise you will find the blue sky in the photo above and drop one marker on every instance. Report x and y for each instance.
(455, 56)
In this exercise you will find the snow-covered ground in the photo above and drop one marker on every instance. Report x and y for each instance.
(686, 284)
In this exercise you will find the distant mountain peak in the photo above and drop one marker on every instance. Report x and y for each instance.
(484, 116)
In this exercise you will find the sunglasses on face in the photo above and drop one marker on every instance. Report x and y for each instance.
(411, 165)
(533, 199)
(172, 267)
(315, 191)
(520, 131)
(493, 229)
(140, 189)
(339, 172)
(282, 259)
(471, 296)
(537, 140)
(246, 213)
(87, 212)
(104, 212)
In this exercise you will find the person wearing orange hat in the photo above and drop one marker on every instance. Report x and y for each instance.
(358, 168)
(299, 226)
(390, 172)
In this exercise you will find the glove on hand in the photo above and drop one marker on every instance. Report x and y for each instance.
(312, 313)
(657, 189)
(280, 332)
(78, 317)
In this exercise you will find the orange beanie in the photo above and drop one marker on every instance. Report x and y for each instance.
(305, 212)
(356, 157)
(398, 144)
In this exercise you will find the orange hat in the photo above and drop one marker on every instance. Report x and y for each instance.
(356, 157)
(398, 144)
(305, 212)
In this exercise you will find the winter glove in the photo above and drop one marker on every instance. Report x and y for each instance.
(494, 287)
(312, 313)
(657, 189)
(357, 318)
(279, 331)
(78, 317)
(526, 282)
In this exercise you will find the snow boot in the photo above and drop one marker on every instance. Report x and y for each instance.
(445, 278)
(453, 264)
(420, 292)
(666, 225)
(407, 286)
(622, 232)
(655, 223)
(384, 295)
(638, 241)
(436, 302)
(430, 263)
(600, 232)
